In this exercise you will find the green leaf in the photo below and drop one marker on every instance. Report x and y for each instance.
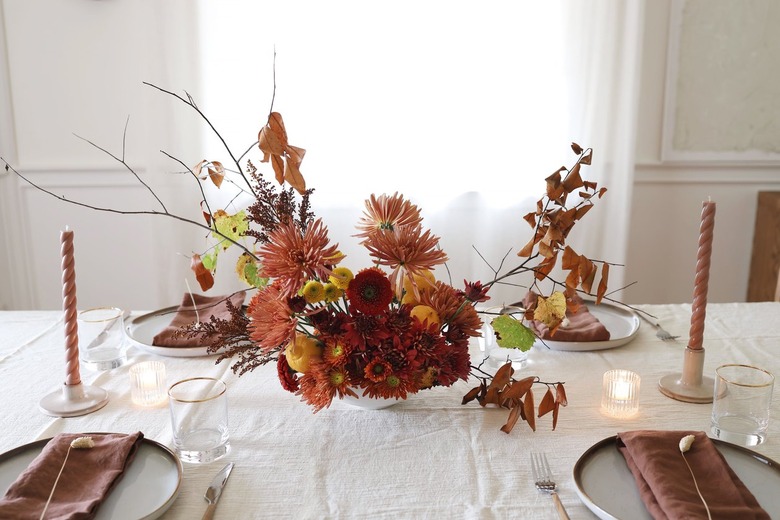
(251, 277)
(210, 260)
(511, 333)
(231, 226)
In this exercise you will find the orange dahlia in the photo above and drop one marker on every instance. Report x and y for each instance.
(370, 291)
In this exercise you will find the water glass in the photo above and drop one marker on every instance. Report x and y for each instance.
(102, 341)
(741, 401)
(199, 419)
(496, 354)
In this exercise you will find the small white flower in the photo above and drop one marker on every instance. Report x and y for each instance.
(82, 442)
(686, 442)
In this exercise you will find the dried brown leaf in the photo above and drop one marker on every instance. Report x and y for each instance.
(518, 388)
(576, 148)
(514, 414)
(555, 415)
(217, 173)
(560, 395)
(602, 290)
(602, 191)
(570, 258)
(573, 180)
(582, 210)
(528, 409)
(502, 377)
(471, 395)
(205, 211)
(531, 219)
(588, 158)
(202, 275)
(547, 404)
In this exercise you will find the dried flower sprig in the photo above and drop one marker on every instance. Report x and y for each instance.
(685, 445)
(77, 443)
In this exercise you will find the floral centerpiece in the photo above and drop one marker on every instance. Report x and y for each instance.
(384, 330)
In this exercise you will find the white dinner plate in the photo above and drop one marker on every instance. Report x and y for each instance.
(142, 330)
(146, 490)
(622, 324)
(606, 486)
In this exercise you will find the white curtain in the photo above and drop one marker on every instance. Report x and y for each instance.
(604, 52)
(463, 107)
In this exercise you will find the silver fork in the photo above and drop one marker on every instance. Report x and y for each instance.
(660, 333)
(544, 482)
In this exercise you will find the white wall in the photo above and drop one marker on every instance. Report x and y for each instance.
(668, 195)
(77, 68)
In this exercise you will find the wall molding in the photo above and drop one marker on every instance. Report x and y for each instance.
(744, 174)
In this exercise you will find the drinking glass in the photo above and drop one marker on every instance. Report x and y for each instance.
(199, 418)
(740, 407)
(496, 354)
(102, 342)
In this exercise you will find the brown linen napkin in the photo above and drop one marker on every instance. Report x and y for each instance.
(88, 477)
(666, 485)
(208, 306)
(582, 326)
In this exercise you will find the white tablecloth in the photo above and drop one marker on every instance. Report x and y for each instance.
(427, 457)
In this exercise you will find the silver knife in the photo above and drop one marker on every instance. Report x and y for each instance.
(215, 490)
(100, 338)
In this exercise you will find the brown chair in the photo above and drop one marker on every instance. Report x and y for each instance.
(764, 279)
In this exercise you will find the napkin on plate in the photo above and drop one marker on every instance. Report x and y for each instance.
(88, 477)
(207, 306)
(581, 326)
(666, 485)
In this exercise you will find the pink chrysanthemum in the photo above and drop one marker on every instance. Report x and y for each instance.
(387, 212)
(293, 257)
(272, 321)
(405, 248)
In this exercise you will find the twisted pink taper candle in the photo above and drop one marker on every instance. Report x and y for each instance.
(701, 282)
(69, 307)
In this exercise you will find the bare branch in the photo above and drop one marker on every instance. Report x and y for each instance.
(191, 103)
(127, 167)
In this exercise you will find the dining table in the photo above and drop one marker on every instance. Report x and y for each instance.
(428, 456)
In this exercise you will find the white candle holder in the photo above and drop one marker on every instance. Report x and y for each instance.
(620, 393)
(147, 383)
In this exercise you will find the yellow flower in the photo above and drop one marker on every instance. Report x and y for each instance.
(313, 291)
(331, 292)
(341, 277)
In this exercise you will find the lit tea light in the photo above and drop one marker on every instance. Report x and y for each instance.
(147, 383)
(620, 396)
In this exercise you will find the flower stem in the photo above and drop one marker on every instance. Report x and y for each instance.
(709, 516)
(46, 507)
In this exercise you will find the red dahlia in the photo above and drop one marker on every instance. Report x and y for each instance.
(370, 291)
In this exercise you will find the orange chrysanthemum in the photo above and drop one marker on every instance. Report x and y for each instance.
(453, 310)
(272, 321)
(293, 257)
(322, 383)
(392, 387)
(405, 248)
(387, 212)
